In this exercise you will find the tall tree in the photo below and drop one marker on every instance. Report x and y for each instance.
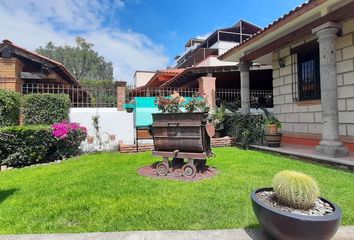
(82, 61)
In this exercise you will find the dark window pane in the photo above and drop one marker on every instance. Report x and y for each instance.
(308, 74)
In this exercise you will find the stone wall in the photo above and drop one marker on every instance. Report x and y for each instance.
(304, 119)
(345, 78)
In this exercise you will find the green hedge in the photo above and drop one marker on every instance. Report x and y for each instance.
(9, 108)
(248, 129)
(45, 108)
(25, 145)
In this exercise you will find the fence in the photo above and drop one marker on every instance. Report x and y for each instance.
(84, 97)
(258, 98)
(154, 92)
(106, 96)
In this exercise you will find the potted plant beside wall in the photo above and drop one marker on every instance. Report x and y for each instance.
(218, 117)
(292, 208)
(129, 107)
(272, 137)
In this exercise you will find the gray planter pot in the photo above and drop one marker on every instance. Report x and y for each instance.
(285, 225)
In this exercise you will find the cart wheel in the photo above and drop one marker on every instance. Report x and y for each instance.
(189, 170)
(162, 168)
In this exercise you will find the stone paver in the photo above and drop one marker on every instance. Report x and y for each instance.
(344, 233)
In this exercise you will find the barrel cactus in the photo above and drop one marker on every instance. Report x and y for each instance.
(295, 189)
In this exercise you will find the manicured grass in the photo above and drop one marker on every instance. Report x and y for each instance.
(103, 192)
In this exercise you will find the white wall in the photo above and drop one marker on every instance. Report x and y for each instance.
(111, 121)
(141, 78)
(214, 61)
(223, 46)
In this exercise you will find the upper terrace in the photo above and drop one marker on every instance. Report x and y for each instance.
(216, 44)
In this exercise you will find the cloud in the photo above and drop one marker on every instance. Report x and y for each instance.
(33, 23)
(204, 36)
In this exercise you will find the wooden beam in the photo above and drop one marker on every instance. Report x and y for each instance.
(33, 59)
(338, 15)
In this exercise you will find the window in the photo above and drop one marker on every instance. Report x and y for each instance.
(309, 73)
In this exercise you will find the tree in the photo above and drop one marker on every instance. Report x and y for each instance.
(82, 61)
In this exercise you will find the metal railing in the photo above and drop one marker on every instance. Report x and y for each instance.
(165, 92)
(85, 97)
(258, 98)
(197, 56)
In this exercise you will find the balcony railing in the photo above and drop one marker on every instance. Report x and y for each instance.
(226, 36)
(258, 98)
(196, 57)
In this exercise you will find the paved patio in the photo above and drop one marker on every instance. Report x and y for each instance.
(309, 153)
(344, 233)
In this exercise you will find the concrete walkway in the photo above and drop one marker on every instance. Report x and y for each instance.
(310, 153)
(344, 233)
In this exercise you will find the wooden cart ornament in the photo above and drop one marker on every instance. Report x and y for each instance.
(182, 136)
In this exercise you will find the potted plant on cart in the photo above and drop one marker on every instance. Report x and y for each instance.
(182, 130)
(293, 209)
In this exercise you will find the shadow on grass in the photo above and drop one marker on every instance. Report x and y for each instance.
(6, 193)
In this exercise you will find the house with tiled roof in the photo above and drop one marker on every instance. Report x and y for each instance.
(155, 80)
(199, 68)
(311, 50)
(19, 66)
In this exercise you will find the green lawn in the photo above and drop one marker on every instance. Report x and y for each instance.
(103, 192)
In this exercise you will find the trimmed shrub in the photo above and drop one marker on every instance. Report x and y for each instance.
(68, 137)
(295, 189)
(45, 108)
(25, 145)
(247, 129)
(9, 108)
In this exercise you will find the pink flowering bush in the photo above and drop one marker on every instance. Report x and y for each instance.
(68, 138)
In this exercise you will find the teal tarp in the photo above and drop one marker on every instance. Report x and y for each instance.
(144, 107)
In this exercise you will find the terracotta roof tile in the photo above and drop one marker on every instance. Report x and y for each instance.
(172, 70)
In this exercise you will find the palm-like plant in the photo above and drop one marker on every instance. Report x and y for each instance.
(270, 118)
(218, 116)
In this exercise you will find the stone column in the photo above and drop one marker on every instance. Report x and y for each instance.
(121, 85)
(244, 68)
(207, 86)
(330, 144)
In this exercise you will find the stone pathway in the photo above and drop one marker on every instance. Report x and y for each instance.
(344, 233)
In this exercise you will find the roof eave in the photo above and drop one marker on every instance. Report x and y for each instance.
(58, 65)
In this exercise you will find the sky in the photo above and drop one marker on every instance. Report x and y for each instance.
(132, 34)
